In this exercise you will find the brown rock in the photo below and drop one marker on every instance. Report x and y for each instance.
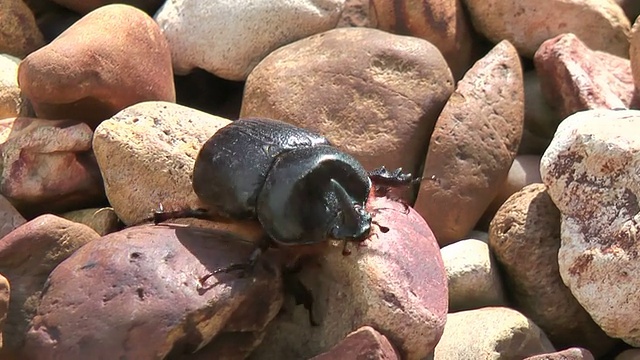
(575, 78)
(631, 354)
(372, 94)
(441, 22)
(601, 25)
(525, 238)
(85, 6)
(573, 353)
(395, 282)
(5, 292)
(356, 13)
(10, 218)
(19, 35)
(27, 256)
(134, 294)
(634, 53)
(499, 332)
(153, 144)
(102, 220)
(473, 146)
(364, 343)
(63, 79)
(12, 103)
(49, 166)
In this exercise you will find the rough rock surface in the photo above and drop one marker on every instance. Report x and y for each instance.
(442, 22)
(500, 333)
(48, 166)
(590, 170)
(395, 283)
(12, 103)
(19, 34)
(634, 54)
(155, 143)
(5, 293)
(602, 25)
(10, 218)
(364, 343)
(473, 145)
(27, 256)
(574, 78)
(134, 294)
(525, 237)
(229, 38)
(63, 80)
(373, 94)
(567, 354)
(472, 276)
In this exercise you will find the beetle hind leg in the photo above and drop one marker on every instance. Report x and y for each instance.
(244, 268)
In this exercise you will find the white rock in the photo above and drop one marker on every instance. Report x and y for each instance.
(472, 275)
(229, 37)
(10, 99)
(146, 154)
(591, 169)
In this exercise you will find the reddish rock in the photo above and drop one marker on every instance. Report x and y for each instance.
(573, 353)
(85, 75)
(85, 6)
(5, 292)
(395, 282)
(373, 94)
(524, 236)
(19, 35)
(634, 54)
(574, 77)
(356, 13)
(49, 166)
(364, 343)
(27, 256)
(134, 294)
(473, 145)
(441, 22)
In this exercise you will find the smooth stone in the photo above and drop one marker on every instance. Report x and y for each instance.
(364, 343)
(5, 295)
(573, 353)
(12, 104)
(102, 220)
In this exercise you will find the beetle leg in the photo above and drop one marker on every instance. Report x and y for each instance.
(161, 215)
(245, 268)
(345, 251)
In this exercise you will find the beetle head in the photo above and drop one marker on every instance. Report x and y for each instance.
(352, 222)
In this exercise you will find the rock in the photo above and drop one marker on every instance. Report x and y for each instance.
(395, 283)
(5, 291)
(12, 103)
(601, 25)
(634, 53)
(228, 38)
(20, 34)
(102, 220)
(575, 78)
(540, 120)
(374, 95)
(498, 332)
(155, 144)
(472, 276)
(134, 294)
(27, 256)
(84, 6)
(631, 354)
(590, 170)
(524, 171)
(573, 353)
(356, 13)
(441, 22)
(364, 343)
(630, 7)
(134, 66)
(473, 145)
(54, 20)
(10, 218)
(48, 166)
(525, 238)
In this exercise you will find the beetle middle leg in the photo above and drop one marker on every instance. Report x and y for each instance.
(161, 214)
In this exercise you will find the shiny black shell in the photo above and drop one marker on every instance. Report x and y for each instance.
(301, 188)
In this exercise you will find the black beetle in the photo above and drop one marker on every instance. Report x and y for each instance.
(302, 189)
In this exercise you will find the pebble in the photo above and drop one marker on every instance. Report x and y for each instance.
(525, 237)
(601, 25)
(12, 103)
(379, 93)
(364, 343)
(573, 353)
(134, 66)
(590, 170)
(229, 38)
(468, 161)
(491, 333)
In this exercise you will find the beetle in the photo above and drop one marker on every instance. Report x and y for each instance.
(301, 188)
